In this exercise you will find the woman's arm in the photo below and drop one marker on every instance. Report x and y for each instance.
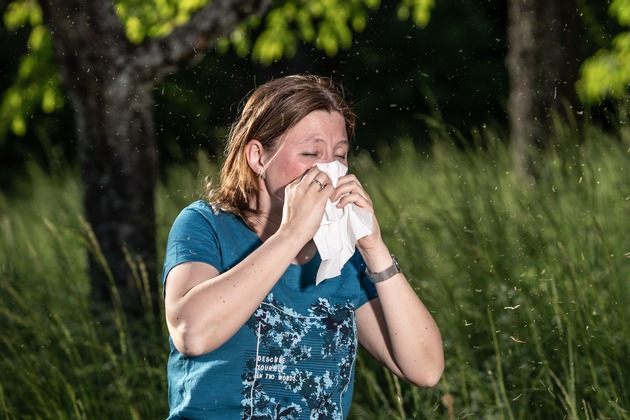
(396, 327)
(204, 308)
(398, 330)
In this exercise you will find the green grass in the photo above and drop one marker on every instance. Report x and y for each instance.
(528, 281)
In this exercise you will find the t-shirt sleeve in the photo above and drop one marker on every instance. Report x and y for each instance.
(192, 238)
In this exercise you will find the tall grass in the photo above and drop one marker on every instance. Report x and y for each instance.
(58, 361)
(527, 279)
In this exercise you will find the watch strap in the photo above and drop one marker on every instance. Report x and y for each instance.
(386, 274)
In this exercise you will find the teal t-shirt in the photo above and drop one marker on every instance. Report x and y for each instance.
(295, 356)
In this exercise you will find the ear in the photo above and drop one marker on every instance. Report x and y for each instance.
(255, 152)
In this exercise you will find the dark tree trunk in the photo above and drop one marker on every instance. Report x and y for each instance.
(109, 82)
(118, 170)
(543, 64)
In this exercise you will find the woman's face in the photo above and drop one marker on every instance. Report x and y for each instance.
(318, 138)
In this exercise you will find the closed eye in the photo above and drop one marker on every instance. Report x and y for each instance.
(341, 153)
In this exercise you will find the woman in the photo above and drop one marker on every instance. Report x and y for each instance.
(251, 334)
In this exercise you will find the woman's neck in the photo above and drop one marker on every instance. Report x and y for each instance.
(263, 223)
(266, 223)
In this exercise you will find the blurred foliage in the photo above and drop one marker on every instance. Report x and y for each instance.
(37, 80)
(393, 74)
(418, 10)
(607, 73)
(150, 19)
(33, 111)
(327, 23)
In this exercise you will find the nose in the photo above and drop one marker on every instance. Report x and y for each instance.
(328, 156)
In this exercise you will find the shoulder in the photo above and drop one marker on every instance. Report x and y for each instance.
(200, 221)
(202, 212)
(197, 220)
(201, 234)
(200, 208)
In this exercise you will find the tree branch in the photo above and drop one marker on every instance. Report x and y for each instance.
(156, 58)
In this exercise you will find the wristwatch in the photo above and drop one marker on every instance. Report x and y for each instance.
(388, 273)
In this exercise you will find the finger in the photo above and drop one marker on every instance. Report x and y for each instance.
(326, 190)
(350, 186)
(320, 181)
(320, 184)
(308, 176)
(357, 199)
(349, 181)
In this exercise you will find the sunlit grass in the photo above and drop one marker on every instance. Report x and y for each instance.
(527, 279)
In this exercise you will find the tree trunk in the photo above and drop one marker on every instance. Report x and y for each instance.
(118, 170)
(116, 142)
(543, 65)
(109, 82)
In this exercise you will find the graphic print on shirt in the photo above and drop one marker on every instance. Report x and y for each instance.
(302, 364)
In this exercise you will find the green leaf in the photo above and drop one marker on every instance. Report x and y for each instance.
(607, 73)
(418, 10)
(621, 10)
(18, 125)
(51, 100)
(36, 83)
(22, 12)
(154, 18)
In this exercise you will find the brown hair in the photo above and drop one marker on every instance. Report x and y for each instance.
(271, 110)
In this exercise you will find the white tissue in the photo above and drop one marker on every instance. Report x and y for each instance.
(340, 228)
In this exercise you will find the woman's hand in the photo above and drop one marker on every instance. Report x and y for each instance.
(349, 190)
(305, 202)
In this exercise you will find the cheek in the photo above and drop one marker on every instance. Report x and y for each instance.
(292, 170)
(283, 174)
(296, 170)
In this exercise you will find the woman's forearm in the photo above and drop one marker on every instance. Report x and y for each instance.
(412, 341)
(203, 317)
(416, 343)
